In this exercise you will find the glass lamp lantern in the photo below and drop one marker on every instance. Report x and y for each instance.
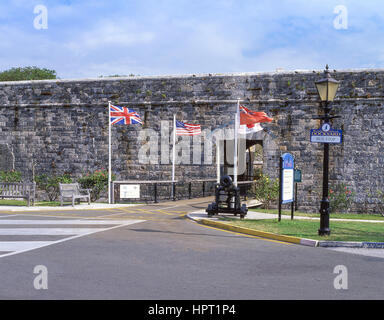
(327, 87)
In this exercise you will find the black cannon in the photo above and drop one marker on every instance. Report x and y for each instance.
(227, 199)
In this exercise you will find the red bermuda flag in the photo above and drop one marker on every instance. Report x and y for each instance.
(249, 117)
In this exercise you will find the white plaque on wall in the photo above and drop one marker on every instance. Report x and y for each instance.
(129, 191)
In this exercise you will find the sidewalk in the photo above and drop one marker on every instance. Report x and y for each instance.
(260, 215)
(82, 206)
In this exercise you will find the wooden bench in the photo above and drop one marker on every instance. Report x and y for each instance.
(73, 191)
(17, 190)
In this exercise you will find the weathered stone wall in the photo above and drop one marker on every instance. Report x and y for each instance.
(61, 126)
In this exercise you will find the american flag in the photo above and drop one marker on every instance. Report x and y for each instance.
(123, 115)
(187, 129)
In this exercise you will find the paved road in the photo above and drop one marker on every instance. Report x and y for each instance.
(153, 252)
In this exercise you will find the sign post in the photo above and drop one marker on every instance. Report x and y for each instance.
(327, 136)
(286, 190)
(297, 179)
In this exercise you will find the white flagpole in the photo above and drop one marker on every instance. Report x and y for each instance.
(173, 151)
(109, 152)
(237, 116)
(218, 159)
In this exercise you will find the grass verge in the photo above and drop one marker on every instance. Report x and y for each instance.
(317, 215)
(340, 230)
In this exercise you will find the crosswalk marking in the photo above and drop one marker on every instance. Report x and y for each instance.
(63, 221)
(22, 245)
(47, 231)
(69, 228)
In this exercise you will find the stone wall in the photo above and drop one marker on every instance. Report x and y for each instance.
(61, 126)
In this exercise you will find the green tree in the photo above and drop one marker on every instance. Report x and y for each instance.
(27, 73)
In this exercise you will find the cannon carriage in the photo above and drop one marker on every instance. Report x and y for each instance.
(227, 199)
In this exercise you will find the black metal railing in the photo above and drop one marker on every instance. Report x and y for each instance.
(158, 191)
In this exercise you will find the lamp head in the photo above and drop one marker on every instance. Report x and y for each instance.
(327, 86)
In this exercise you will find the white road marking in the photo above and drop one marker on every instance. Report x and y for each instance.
(58, 222)
(10, 215)
(16, 247)
(22, 245)
(378, 253)
(45, 232)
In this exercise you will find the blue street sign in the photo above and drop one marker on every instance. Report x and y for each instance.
(326, 134)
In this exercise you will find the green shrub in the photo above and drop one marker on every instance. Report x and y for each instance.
(380, 204)
(340, 198)
(51, 184)
(10, 176)
(266, 190)
(97, 182)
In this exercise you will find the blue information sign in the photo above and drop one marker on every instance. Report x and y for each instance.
(288, 165)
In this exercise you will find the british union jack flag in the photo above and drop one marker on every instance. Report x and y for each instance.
(123, 115)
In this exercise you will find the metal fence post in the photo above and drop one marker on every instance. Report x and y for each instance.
(155, 191)
(203, 188)
(174, 190)
(112, 192)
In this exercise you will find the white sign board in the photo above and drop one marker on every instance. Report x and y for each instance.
(129, 191)
(287, 194)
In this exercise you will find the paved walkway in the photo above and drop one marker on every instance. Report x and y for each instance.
(260, 215)
(201, 214)
(82, 206)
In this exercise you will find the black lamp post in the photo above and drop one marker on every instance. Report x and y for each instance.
(326, 89)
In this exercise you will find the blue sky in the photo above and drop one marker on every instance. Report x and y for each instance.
(89, 38)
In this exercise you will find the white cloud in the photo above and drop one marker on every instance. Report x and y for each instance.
(109, 35)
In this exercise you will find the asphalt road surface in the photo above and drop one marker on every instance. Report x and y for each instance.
(154, 252)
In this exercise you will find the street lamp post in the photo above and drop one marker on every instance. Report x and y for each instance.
(326, 89)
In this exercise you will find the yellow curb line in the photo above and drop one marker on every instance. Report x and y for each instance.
(251, 232)
(136, 211)
(247, 235)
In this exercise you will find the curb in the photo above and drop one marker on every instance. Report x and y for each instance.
(347, 244)
(289, 239)
(252, 232)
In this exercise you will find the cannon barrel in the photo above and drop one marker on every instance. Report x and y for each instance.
(226, 181)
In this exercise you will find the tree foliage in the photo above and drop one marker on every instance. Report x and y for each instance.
(27, 73)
